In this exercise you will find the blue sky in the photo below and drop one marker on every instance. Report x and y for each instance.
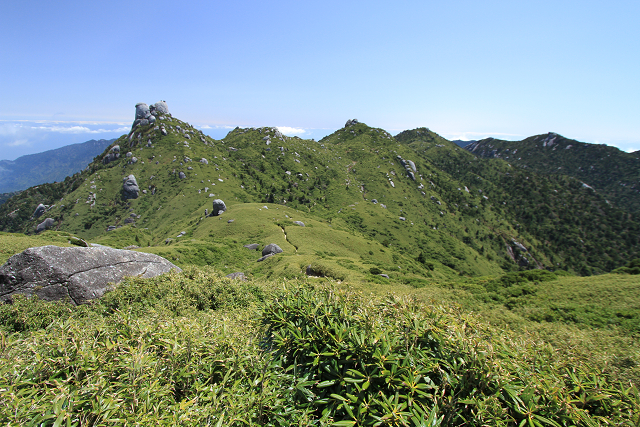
(72, 71)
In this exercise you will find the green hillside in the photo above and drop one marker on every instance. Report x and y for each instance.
(609, 171)
(567, 223)
(365, 206)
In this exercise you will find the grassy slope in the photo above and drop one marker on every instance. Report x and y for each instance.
(553, 214)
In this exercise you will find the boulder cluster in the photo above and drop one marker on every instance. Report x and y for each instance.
(146, 115)
(409, 167)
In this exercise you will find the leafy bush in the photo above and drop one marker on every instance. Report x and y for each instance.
(632, 267)
(393, 362)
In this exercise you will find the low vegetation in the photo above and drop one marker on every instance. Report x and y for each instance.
(196, 348)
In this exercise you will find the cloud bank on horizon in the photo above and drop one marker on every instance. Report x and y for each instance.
(19, 138)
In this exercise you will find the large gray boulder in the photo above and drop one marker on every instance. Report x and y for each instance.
(39, 210)
(218, 207)
(272, 249)
(159, 108)
(351, 122)
(77, 274)
(45, 225)
(130, 189)
(142, 111)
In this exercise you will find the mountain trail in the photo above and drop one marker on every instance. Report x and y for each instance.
(285, 238)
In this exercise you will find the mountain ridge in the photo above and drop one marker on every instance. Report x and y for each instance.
(425, 207)
(606, 169)
(48, 166)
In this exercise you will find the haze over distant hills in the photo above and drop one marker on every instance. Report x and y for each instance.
(48, 166)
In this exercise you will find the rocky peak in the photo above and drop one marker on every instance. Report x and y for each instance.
(146, 115)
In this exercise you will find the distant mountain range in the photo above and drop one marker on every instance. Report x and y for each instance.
(48, 166)
(461, 143)
(607, 170)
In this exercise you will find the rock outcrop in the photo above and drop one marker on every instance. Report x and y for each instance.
(75, 274)
(300, 223)
(45, 225)
(270, 250)
(351, 122)
(39, 210)
(218, 207)
(146, 115)
(130, 189)
(113, 154)
(409, 167)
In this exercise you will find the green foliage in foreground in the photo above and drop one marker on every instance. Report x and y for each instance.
(198, 349)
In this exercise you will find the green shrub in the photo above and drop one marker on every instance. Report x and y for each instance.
(394, 362)
(322, 270)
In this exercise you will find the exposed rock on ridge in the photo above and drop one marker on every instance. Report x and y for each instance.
(146, 115)
(77, 274)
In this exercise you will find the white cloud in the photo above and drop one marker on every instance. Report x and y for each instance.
(473, 136)
(216, 127)
(79, 129)
(18, 143)
(291, 131)
(630, 149)
(9, 129)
